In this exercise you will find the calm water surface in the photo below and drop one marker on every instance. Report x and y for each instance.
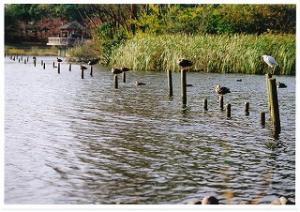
(74, 141)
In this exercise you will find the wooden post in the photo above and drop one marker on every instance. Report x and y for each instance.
(44, 66)
(25, 61)
(53, 64)
(19, 59)
(70, 67)
(275, 117)
(170, 83)
(183, 88)
(268, 76)
(221, 102)
(262, 118)
(42, 62)
(34, 63)
(228, 110)
(58, 68)
(124, 76)
(247, 108)
(91, 72)
(82, 73)
(205, 104)
(116, 81)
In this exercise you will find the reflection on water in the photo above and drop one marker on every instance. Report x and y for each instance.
(69, 140)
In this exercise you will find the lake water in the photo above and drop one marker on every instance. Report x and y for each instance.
(74, 141)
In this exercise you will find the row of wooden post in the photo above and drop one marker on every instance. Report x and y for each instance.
(272, 100)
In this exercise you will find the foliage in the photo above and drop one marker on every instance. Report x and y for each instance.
(210, 53)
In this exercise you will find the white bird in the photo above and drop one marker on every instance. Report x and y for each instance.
(271, 62)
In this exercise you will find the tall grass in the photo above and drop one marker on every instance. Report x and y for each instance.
(210, 53)
(37, 51)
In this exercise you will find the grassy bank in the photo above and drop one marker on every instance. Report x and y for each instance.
(36, 50)
(210, 53)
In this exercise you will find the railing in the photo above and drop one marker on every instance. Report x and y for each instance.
(62, 41)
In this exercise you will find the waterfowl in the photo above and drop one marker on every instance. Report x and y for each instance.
(34, 58)
(93, 61)
(281, 85)
(270, 61)
(189, 85)
(222, 90)
(59, 60)
(139, 83)
(83, 67)
(210, 200)
(239, 80)
(124, 69)
(116, 71)
(183, 63)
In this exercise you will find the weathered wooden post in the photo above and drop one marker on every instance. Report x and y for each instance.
(221, 102)
(58, 68)
(42, 62)
(82, 68)
(275, 117)
(228, 110)
(91, 71)
(247, 108)
(124, 76)
(44, 66)
(205, 104)
(70, 67)
(262, 118)
(53, 64)
(116, 81)
(25, 61)
(34, 62)
(170, 83)
(183, 87)
(268, 76)
(19, 60)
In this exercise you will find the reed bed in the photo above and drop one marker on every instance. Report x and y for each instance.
(210, 53)
(35, 51)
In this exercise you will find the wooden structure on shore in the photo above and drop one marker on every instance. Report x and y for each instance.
(71, 34)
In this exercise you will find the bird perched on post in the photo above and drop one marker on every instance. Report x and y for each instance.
(124, 69)
(184, 64)
(222, 90)
(59, 60)
(34, 58)
(270, 61)
(116, 71)
(93, 61)
(83, 67)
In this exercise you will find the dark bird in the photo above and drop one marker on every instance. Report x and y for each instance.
(210, 200)
(59, 60)
(83, 67)
(281, 85)
(34, 58)
(93, 61)
(239, 80)
(139, 83)
(183, 63)
(116, 71)
(124, 69)
(189, 85)
(222, 90)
